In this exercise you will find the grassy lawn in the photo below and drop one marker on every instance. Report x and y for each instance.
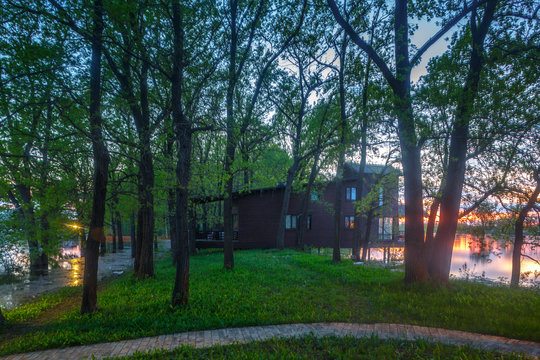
(268, 288)
(327, 348)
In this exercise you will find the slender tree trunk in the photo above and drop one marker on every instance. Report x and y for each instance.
(103, 247)
(338, 211)
(302, 219)
(171, 206)
(518, 232)
(367, 235)
(101, 165)
(280, 239)
(192, 230)
(146, 223)
(338, 222)
(82, 241)
(228, 261)
(133, 240)
(113, 227)
(119, 231)
(183, 133)
(430, 228)
(357, 232)
(440, 253)
(26, 216)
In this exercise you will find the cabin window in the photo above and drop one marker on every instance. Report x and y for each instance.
(290, 222)
(308, 222)
(351, 193)
(381, 198)
(349, 222)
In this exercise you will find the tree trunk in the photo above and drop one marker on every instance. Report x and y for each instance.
(415, 261)
(26, 216)
(119, 231)
(518, 232)
(228, 261)
(430, 228)
(103, 247)
(357, 232)
(113, 227)
(133, 240)
(171, 207)
(280, 239)
(338, 222)
(101, 165)
(367, 235)
(338, 211)
(440, 253)
(44, 173)
(183, 133)
(302, 218)
(144, 259)
(82, 241)
(192, 230)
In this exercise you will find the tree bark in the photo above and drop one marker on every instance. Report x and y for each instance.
(101, 163)
(144, 259)
(357, 232)
(440, 253)
(518, 232)
(430, 228)
(367, 235)
(280, 239)
(140, 111)
(415, 261)
(338, 211)
(302, 218)
(113, 228)
(338, 222)
(27, 218)
(119, 231)
(183, 133)
(133, 239)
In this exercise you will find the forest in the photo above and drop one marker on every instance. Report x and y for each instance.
(120, 114)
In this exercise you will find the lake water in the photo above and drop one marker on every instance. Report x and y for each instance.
(477, 258)
(68, 273)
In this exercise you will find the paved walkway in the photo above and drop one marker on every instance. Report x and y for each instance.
(255, 333)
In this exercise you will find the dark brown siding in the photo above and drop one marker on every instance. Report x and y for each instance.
(258, 216)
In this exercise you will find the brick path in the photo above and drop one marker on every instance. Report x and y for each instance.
(255, 333)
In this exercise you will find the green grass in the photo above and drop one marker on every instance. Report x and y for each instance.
(310, 347)
(269, 288)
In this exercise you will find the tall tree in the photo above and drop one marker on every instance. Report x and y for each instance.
(533, 199)
(439, 252)
(400, 83)
(245, 32)
(101, 163)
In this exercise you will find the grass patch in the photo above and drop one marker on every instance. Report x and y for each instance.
(270, 288)
(311, 347)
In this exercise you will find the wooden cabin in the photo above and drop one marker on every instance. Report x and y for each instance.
(256, 212)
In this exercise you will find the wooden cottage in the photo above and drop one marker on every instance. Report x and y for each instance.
(256, 212)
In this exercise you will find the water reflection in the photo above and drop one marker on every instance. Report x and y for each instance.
(69, 272)
(481, 258)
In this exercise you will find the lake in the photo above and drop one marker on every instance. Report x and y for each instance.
(481, 258)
